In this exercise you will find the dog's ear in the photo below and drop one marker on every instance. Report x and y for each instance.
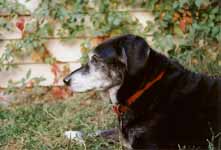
(134, 53)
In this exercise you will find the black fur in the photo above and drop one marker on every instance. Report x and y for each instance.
(179, 109)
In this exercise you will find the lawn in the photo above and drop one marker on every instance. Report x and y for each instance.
(41, 125)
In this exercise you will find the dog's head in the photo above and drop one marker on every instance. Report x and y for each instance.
(108, 64)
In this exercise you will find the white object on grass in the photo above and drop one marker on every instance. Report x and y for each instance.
(75, 135)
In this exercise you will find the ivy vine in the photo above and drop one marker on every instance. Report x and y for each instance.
(189, 30)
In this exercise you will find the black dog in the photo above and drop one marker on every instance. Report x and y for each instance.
(159, 103)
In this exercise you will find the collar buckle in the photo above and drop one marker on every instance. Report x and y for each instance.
(119, 109)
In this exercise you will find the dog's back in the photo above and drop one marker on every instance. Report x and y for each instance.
(196, 108)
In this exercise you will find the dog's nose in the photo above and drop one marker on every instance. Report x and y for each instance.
(67, 81)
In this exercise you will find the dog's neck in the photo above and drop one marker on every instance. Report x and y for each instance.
(120, 93)
(156, 63)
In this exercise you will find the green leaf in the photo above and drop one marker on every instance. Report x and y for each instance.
(164, 43)
(215, 31)
(178, 31)
(215, 10)
(150, 4)
(176, 5)
(182, 2)
(168, 17)
(218, 36)
(198, 3)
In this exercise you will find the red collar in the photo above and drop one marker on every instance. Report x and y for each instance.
(120, 109)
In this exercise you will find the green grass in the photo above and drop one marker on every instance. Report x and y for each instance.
(41, 125)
